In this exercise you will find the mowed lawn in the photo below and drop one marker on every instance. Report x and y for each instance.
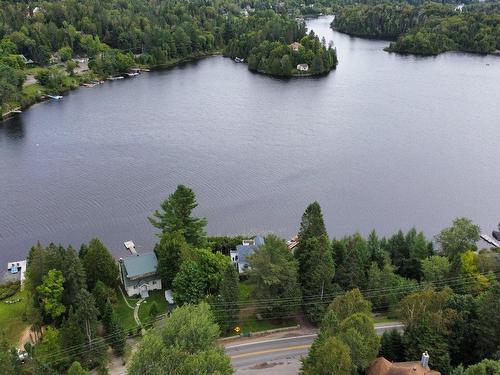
(11, 318)
(125, 314)
(157, 296)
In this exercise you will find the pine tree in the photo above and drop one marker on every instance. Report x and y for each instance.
(176, 216)
(229, 295)
(99, 264)
(316, 267)
(169, 252)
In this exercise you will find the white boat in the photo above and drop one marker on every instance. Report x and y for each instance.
(115, 78)
(56, 97)
(134, 74)
(239, 60)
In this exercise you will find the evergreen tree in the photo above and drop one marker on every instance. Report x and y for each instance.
(273, 271)
(316, 267)
(229, 296)
(100, 265)
(391, 346)
(74, 276)
(169, 252)
(177, 209)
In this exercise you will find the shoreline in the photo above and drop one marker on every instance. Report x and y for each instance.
(42, 98)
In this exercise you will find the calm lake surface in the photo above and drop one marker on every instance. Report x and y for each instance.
(385, 141)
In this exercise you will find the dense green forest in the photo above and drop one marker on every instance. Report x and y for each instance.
(265, 42)
(429, 29)
(119, 34)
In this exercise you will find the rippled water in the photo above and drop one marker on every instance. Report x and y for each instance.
(384, 142)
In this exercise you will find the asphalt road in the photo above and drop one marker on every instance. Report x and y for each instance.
(278, 356)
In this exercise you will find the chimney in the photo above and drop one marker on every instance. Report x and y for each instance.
(425, 360)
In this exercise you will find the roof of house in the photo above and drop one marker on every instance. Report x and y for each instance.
(382, 366)
(144, 264)
(246, 250)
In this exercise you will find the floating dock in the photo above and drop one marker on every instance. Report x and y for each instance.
(130, 246)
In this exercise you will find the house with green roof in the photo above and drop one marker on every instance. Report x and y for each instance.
(139, 275)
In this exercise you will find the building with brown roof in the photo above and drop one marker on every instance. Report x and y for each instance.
(382, 366)
(295, 46)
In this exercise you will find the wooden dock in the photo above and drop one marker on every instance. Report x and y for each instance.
(130, 246)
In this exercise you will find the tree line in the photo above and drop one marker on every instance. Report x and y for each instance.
(427, 29)
(447, 297)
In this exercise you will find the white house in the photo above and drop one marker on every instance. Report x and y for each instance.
(138, 274)
(302, 67)
(247, 248)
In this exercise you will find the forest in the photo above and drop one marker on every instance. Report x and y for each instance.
(444, 290)
(265, 42)
(427, 29)
(43, 39)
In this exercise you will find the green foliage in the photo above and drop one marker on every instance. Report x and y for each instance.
(169, 252)
(190, 285)
(488, 325)
(51, 291)
(358, 333)
(332, 356)
(316, 266)
(153, 310)
(435, 268)
(391, 346)
(176, 216)
(227, 310)
(349, 304)
(46, 350)
(485, 367)
(77, 369)
(99, 264)
(273, 271)
(185, 345)
(426, 29)
(9, 289)
(459, 238)
(7, 365)
(66, 53)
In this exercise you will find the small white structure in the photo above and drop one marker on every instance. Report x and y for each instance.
(302, 67)
(295, 46)
(138, 274)
(18, 267)
(247, 248)
(169, 296)
(130, 246)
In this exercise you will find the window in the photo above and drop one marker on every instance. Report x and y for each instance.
(154, 282)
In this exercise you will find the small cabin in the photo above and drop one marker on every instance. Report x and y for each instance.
(139, 274)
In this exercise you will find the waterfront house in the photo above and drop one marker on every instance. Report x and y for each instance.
(139, 275)
(382, 366)
(247, 248)
(302, 67)
(295, 46)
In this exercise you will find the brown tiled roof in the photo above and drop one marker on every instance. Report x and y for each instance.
(382, 366)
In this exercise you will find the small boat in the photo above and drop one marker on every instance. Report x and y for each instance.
(115, 78)
(133, 74)
(56, 97)
(239, 60)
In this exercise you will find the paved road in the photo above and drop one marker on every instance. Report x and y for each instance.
(278, 355)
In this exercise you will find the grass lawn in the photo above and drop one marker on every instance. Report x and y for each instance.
(11, 322)
(125, 313)
(157, 296)
(248, 319)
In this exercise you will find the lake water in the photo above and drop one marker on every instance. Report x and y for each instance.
(385, 141)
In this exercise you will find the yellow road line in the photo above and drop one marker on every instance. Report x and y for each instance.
(271, 351)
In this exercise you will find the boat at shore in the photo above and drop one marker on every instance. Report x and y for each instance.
(55, 97)
(115, 78)
(239, 60)
(133, 74)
